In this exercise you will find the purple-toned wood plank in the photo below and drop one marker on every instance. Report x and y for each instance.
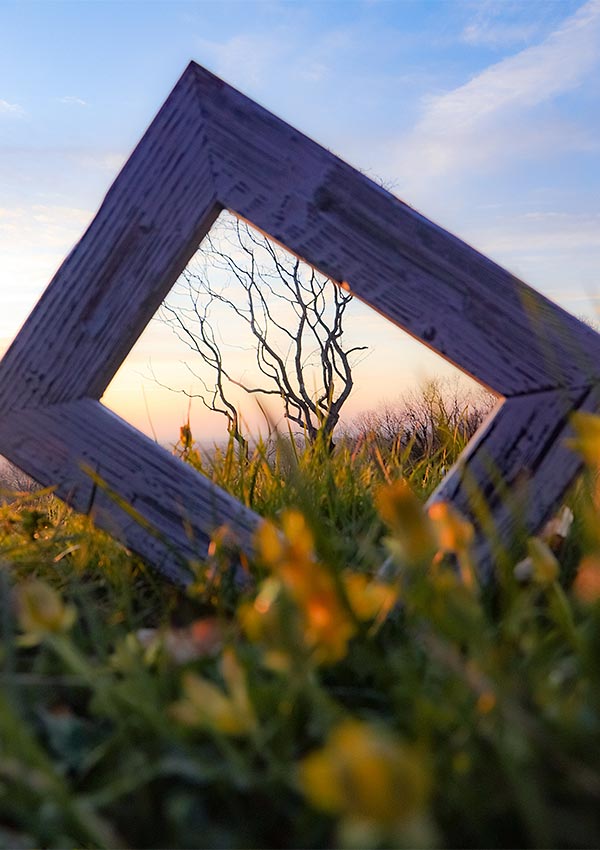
(516, 469)
(210, 148)
(442, 291)
(159, 208)
(62, 443)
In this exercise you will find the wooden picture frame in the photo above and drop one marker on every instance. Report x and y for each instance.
(211, 148)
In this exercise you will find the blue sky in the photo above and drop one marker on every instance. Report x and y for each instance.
(483, 114)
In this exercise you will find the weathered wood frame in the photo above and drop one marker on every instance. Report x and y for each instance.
(211, 148)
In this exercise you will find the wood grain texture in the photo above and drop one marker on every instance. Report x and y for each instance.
(516, 469)
(174, 509)
(113, 281)
(210, 148)
(440, 290)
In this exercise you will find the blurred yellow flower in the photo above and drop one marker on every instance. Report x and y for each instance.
(398, 506)
(42, 612)
(365, 774)
(586, 586)
(327, 617)
(269, 544)
(205, 704)
(260, 619)
(486, 702)
(264, 621)
(369, 598)
(327, 625)
(587, 439)
(453, 532)
(294, 545)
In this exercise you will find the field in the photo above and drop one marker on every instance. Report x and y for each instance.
(353, 685)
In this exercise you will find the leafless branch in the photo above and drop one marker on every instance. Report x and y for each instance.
(294, 315)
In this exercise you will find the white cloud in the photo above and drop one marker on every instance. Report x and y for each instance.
(41, 224)
(111, 161)
(540, 232)
(74, 101)
(493, 115)
(489, 33)
(243, 58)
(33, 241)
(252, 59)
(529, 77)
(502, 23)
(10, 108)
(556, 252)
(313, 72)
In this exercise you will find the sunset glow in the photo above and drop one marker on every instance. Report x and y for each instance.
(483, 116)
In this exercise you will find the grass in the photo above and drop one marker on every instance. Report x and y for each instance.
(319, 706)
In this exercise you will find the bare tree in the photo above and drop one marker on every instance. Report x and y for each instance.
(293, 316)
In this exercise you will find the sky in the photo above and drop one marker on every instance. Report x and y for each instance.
(482, 114)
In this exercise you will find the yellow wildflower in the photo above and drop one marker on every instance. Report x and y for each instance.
(260, 618)
(289, 554)
(295, 545)
(326, 624)
(205, 704)
(369, 598)
(297, 534)
(265, 622)
(42, 612)
(454, 534)
(586, 586)
(269, 544)
(486, 702)
(412, 529)
(587, 439)
(365, 774)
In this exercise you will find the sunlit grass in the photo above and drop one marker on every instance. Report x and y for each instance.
(319, 704)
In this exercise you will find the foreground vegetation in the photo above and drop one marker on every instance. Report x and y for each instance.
(307, 698)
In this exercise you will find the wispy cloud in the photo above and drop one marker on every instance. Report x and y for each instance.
(73, 101)
(41, 225)
(491, 33)
(252, 54)
(33, 240)
(252, 59)
(557, 252)
(111, 161)
(504, 23)
(10, 108)
(540, 232)
(492, 115)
